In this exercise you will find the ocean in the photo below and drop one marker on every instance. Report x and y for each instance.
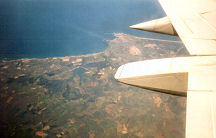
(55, 28)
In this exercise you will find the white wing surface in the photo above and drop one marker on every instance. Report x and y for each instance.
(201, 114)
(194, 77)
(195, 23)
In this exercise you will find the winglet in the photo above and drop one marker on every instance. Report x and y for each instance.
(162, 25)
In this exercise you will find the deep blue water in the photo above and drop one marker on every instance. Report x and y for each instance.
(49, 28)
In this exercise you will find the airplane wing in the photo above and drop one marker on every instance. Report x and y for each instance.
(194, 21)
(193, 77)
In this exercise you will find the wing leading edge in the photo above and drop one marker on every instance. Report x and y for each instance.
(195, 23)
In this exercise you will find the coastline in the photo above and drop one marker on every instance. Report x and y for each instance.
(82, 89)
(116, 36)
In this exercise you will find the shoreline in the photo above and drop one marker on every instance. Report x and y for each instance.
(116, 36)
(42, 58)
(78, 56)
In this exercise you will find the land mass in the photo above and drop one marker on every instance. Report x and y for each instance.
(77, 96)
